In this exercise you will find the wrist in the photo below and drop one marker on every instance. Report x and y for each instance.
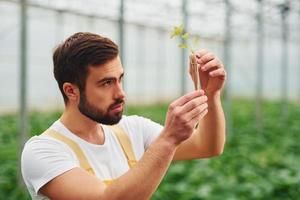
(169, 138)
(163, 148)
(213, 96)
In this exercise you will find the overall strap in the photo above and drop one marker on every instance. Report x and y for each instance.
(125, 144)
(83, 162)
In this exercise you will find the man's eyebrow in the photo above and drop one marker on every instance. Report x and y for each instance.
(109, 78)
(121, 76)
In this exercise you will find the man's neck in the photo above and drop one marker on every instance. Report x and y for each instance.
(82, 126)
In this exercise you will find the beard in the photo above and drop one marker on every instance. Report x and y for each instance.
(97, 115)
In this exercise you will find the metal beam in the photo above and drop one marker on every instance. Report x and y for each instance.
(259, 65)
(121, 35)
(183, 73)
(284, 9)
(227, 63)
(121, 30)
(23, 80)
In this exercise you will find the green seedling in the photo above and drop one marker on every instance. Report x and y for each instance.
(178, 31)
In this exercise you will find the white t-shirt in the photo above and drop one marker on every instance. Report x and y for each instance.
(44, 158)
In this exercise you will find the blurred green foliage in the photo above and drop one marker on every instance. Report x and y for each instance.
(264, 165)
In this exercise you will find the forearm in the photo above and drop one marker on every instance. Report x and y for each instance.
(142, 180)
(211, 131)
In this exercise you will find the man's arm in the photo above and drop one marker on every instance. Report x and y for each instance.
(141, 181)
(209, 138)
(138, 183)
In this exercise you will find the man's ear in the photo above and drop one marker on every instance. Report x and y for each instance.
(71, 91)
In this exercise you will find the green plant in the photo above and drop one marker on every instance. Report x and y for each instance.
(253, 166)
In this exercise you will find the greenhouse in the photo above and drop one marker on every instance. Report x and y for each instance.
(258, 42)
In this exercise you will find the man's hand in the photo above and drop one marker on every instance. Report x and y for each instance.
(209, 138)
(211, 72)
(183, 115)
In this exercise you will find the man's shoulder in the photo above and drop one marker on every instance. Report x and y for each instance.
(40, 143)
(43, 148)
(43, 142)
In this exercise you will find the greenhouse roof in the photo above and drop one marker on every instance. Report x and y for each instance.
(206, 17)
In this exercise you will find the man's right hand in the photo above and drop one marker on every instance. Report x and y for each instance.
(183, 115)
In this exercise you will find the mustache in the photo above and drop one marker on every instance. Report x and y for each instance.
(116, 103)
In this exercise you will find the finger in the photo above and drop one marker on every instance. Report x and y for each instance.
(196, 111)
(201, 53)
(215, 63)
(193, 104)
(197, 118)
(188, 97)
(218, 72)
(202, 114)
(206, 58)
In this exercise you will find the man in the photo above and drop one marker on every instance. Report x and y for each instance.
(81, 156)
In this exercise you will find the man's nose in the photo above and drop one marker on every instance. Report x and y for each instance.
(119, 94)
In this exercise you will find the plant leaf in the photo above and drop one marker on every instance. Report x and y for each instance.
(185, 36)
(182, 46)
(177, 31)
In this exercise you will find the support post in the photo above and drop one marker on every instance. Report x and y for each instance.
(184, 63)
(23, 120)
(284, 9)
(259, 66)
(227, 63)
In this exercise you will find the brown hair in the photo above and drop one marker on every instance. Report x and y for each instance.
(72, 58)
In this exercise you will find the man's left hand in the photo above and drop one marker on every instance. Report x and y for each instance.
(211, 72)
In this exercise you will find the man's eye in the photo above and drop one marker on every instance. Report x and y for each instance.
(107, 83)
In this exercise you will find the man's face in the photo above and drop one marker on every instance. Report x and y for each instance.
(103, 98)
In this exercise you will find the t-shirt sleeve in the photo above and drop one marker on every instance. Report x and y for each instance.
(44, 159)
